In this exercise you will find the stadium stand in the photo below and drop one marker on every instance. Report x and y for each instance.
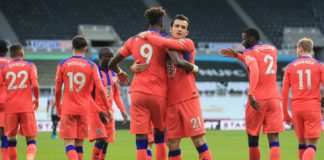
(273, 15)
(46, 70)
(52, 19)
(211, 20)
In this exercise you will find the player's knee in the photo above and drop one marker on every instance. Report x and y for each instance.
(101, 141)
(173, 144)
(273, 137)
(157, 132)
(253, 138)
(141, 136)
(198, 140)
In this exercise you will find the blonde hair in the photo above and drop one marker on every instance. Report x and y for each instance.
(306, 44)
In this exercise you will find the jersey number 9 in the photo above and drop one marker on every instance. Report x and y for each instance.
(146, 51)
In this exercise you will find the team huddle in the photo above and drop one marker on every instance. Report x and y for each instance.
(165, 104)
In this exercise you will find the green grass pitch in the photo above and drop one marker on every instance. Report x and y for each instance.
(225, 145)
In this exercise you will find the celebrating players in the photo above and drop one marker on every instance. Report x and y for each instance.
(304, 76)
(19, 78)
(184, 116)
(263, 107)
(104, 134)
(78, 75)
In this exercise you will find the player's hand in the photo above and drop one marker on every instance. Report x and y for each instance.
(35, 104)
(227, 52)
(287, 119)
(143, 34)
(255, 104)
(137, 67)
(103, 117)
(125, 117)
(123, 77)
(110, 114)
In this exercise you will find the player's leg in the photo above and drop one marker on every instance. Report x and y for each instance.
(140, 121)
(193, 126)
(150, 145)
(28, 128)
(11, 125)
(97, 148)
(70, 149)
(313, 127)
(301, 148)
(273, 139)
(68, 131)
(98, 134)
(82, 133)
(31, 148)
(110, 132)
(273, 125)
(202, 148)
(174, 149)
(149, 150)
(309, 153)
(141, 145)
(55, 120)
(104, 151)
(174, 132)
(4, 144)
(158, 111)
(160, 146)
(79, 148)
(254, 151)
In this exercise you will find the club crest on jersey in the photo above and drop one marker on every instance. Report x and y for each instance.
(98, 131)
(171, 69)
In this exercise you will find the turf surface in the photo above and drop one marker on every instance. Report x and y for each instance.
(225, 145)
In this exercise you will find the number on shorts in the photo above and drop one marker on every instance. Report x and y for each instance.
(308, 78)
(196, 123)
(269, 69)
(14, 76)
(148, 54)
(78, 78)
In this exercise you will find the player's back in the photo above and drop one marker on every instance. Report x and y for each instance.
(77, 75)
(266, 57)
(305, 79)
(153, 79)
(18, 75)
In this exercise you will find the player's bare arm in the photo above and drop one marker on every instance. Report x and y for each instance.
(181, 63)
(113, 64)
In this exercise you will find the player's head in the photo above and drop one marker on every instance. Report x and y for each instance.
(79, 44)
(154, 16)
(250, 37)
(105, 55)
(304, 47)
(16, 51)
(179, 26)
(3, 46)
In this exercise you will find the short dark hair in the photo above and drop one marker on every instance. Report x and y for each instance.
(180, 17)
(16, 50)
(3, 46)
(252, 32)
(105, 51)
(154, 15)
(79, 42)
